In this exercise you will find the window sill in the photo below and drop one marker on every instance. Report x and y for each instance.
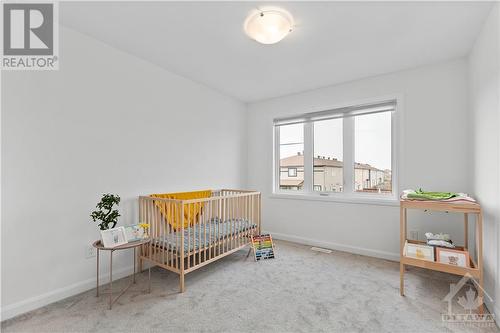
(362, 200)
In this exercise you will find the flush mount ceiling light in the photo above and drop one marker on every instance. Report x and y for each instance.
(268, 26)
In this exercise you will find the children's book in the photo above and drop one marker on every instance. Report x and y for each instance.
(263, 247)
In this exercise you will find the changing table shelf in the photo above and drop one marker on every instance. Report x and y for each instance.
(465, 208)
(441, 267)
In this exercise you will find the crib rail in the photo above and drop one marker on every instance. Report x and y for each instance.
(188, 234)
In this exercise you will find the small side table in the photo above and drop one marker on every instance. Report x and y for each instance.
(133, 245)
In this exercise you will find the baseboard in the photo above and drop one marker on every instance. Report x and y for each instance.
(36, 302)
(335, 246)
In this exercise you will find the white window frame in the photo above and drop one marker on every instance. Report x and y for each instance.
(293, 175)
(348, 193)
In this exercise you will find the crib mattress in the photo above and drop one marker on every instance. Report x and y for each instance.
(204, 234)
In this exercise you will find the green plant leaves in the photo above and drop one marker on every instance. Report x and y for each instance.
(105, 212)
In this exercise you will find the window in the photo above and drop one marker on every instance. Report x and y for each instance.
(372, 147)
(327, 155)
(345, 152)
(291, 152)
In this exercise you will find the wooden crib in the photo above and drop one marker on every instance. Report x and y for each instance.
(188, 234)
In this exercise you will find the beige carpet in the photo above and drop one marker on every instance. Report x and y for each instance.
(299, 291)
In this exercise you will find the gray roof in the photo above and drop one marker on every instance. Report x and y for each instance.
(298, 161)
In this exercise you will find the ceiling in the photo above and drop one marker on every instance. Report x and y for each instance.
(332, 42)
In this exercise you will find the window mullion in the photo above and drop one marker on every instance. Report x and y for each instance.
(348, 171)
(276, 164)
(308, 157)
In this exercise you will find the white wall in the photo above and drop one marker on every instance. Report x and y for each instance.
(484, 80)
(433, 155)
(105, 122)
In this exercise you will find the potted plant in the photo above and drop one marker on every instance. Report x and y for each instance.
(105, 213)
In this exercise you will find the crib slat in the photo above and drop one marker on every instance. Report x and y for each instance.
(259, 210)
(221, 226)
(240, 217)
(224, 224)
(217, 230)
(247, 204)
(177, 235)
(205, 232)
(175, 250)
(181, 282)
(192, 248)
(169, 230)
(157, 231)
(151, 227)
(193, 237)
(218, 215)
(233, 223)
(199, 233)
(241, 225)
(194, 234)
(188, 207)
(209, 217)
(242, 222)
(158, 225)
(200, 221)
(247, 216)
(231, 227)
(165, 233)
(228, 225)
(210, 235)
(252, 211)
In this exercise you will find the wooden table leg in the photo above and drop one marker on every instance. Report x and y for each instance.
(479, 236)
(110, 279)
(466, 231)
(141, 253)
(149, 278)
(402, 240)
(182, 287)
(97, 275)
(401, 279)
(135, 258)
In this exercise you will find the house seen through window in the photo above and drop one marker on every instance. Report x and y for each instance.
(291, 163)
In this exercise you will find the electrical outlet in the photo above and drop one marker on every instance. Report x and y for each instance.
(90, 251)
(414, 234)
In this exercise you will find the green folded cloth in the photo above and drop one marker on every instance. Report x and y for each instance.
(423, 195)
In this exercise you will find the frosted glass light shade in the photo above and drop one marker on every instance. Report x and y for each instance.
(268, 27)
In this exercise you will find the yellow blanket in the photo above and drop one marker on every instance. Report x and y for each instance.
(191, 211)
